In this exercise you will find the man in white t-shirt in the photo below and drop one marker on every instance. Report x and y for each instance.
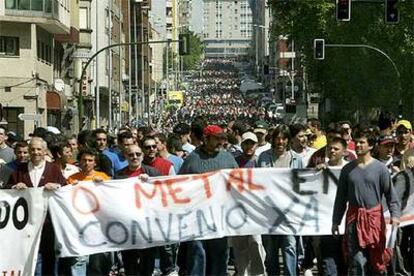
(184, 131)
(299, 142)
(260, 129)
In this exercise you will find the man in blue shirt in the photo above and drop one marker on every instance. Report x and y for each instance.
(101, 137)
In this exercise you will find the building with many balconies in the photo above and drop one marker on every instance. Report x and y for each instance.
(34, 36)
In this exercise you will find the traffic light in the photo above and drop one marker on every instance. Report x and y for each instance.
(184, 44)
(319, 48)
(343, 10)
(392, 15)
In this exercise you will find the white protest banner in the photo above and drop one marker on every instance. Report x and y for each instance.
(22, 214)
(122, 214)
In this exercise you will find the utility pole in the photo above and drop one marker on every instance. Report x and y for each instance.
(110, 68)
(120, 64)
(97, 98)
(148, 72)
(129, 65)
(136, 63)
(257, 50)
(167, 65)
(142, 65)
(293, 71)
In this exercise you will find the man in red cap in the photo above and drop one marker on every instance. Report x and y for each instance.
(385, 153)
(207, 257)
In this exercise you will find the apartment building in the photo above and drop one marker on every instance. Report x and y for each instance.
(35, 73)
(228, 27)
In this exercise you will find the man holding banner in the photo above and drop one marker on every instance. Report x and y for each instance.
(207, 257)
(39, 173)
(279, 156)
(362, 184)
(137, 261)
(249, 253)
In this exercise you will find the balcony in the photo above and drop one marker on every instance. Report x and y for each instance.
(51, 15)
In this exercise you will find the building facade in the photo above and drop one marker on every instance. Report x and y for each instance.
(227, 28)
(35, 54)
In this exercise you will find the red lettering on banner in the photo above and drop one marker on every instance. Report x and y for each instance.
(159, 186)
(156, 186)
(174, 191)
(206, 182)
(237, 180)
(250, 183)
(165, 188)
(92, 198)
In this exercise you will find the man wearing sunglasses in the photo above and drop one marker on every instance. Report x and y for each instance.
(137, 261)
(151, 158)
(150, 149)
(134, 155)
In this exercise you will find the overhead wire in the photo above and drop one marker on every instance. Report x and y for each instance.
(18, 84)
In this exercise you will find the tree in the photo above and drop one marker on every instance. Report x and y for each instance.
(196, 52)
(353, 79)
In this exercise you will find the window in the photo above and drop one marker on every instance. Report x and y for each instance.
(11, 4)
(44, 51)
(37, 5)
(9, 46)
(48, 5)
(83, 18)
(32, 5)
(24, 5)
(11, 115)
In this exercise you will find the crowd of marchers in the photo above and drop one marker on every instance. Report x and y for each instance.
(214, 94)
(376, 163)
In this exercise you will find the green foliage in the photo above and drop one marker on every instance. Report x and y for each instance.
(196, 51)
(354, 79)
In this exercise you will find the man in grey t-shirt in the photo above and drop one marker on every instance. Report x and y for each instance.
(6, 152)
(362, 185)
(207, 257)
(279, 156)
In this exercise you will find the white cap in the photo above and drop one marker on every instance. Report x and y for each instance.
(249, 136)
(53, 129)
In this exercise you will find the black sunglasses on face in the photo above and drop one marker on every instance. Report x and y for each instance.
(132, 154)
(151, 147)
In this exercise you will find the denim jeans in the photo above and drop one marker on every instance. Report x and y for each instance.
(357, 257)
(287, 244)
(331, 254)
(45, 265)
(207, 257)
(249, 255)
(73, 266)
(46, 261)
